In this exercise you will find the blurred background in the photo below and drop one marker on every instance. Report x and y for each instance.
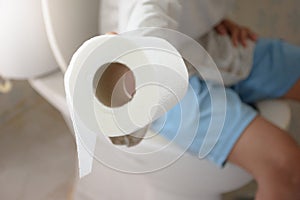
(270, 18)
(37, 151)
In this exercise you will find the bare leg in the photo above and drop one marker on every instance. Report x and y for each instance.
(272, 157)
(294, 92)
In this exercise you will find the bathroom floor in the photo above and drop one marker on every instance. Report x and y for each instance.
(37, 151)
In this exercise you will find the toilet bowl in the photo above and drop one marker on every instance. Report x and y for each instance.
(186, 177)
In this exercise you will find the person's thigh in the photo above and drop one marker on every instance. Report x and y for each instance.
(272, 157)
(275, 71)
(205, 123)
(246, 139)
(294, 92)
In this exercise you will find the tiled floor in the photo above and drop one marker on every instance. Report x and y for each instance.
(37, 151)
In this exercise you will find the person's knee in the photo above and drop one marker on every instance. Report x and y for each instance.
(290, 167)
(272, 157)
(283, 177)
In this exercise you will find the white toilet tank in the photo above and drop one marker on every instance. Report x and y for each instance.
(24, 51)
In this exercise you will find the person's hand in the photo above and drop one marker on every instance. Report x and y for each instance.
(239, 34)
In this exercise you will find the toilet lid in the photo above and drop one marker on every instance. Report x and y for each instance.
(24, 49)
(68, 24)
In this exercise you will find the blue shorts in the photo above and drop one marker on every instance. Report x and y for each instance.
(276, 67)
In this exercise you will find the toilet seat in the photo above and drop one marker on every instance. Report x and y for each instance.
(276, 111)
(52, 88)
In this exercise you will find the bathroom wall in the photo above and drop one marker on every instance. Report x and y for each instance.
(272, 18)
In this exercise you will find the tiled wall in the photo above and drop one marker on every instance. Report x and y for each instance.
(271, 18)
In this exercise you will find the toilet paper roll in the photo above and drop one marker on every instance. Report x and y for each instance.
(117, 85)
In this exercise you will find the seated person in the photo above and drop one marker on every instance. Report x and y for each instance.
(271, 69)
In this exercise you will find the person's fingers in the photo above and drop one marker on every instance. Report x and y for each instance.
(239, 34)
(235, 36)
(243, 37)
(253, 36)
(234, 31)
(111, 33)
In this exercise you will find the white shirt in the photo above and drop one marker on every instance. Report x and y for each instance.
(195, 18)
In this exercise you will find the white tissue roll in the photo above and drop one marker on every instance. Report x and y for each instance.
(25, 50)
(77, 60)
(146, 73)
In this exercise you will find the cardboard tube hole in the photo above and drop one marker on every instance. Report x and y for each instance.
(116, 85)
